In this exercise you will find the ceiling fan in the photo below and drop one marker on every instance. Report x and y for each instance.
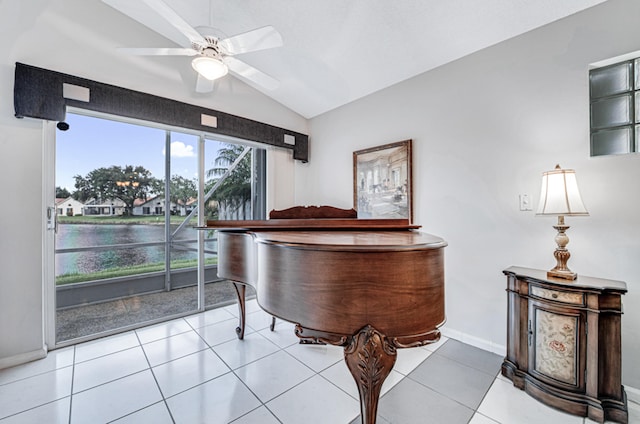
(213, 56)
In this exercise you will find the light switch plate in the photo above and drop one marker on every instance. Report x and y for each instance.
(525, 204)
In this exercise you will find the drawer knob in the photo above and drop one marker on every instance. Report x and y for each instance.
(554, 295)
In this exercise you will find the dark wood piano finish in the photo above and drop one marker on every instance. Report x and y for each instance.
(371, 287)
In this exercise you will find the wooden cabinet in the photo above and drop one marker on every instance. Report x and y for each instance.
(564, 342)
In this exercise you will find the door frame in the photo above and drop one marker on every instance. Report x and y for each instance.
(48, 233)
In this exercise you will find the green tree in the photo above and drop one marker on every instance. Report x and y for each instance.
(234, 193)
(62, 193)
(104, 184)
(83, 189)
(181, 189)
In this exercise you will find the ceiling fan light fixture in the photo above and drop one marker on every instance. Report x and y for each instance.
(210, 67)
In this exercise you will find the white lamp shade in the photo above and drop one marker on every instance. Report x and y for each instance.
(209, 67)
(560, 195)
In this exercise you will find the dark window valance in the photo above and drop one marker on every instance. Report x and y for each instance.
(39, 93)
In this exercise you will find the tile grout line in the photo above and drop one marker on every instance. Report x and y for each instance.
(264, 404)
(476, 410)
(233, 371)
(164, 400)
(73, 371)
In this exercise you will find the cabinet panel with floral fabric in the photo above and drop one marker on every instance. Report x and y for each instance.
(554, 351)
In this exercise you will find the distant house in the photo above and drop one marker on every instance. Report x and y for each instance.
(184, 209)
(68, 206)
(155, 206)
(112, 207)
(152, 206)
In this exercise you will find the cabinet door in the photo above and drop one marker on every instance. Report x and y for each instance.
(557, 345)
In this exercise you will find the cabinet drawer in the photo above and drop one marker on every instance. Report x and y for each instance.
(557, 295)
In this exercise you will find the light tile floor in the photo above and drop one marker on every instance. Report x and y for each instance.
(194, 370)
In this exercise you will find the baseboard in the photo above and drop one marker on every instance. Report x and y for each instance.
(474, 341)
(633, 394)
(23, 358)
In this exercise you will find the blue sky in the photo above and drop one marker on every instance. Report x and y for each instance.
(92, 143)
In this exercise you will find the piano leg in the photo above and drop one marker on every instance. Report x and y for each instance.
(370, 358)
(240, 291)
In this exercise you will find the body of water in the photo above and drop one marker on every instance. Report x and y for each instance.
(89, 235)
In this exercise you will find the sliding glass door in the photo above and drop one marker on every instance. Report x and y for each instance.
(126, 246)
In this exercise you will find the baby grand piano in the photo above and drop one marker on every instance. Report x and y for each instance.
(369, 285)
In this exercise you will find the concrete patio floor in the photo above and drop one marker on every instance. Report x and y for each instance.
(86, 320)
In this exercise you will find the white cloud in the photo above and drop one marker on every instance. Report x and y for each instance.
(180, 150)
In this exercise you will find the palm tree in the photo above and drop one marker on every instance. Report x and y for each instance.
(234, 193)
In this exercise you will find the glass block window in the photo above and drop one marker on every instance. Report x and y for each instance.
(614, 93)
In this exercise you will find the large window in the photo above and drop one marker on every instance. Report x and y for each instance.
(126, 250)
(615, 108)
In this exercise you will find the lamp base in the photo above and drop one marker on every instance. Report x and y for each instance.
(565, 274)
(562, 255)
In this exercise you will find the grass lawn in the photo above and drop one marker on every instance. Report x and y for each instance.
(157, 219)
(128, 270)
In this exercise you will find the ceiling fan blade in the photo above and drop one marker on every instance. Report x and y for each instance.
(258, 39)
(251, 74)
(157, 51)
(155, 14)
(204, 85)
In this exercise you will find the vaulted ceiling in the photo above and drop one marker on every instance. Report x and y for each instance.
(337, 51)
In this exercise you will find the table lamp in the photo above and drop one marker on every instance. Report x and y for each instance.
(560, 196)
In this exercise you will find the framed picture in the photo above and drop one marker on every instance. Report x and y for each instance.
(382, 181)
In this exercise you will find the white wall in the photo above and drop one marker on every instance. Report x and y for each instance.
(280, 180)
(484, 129)
(78, 37)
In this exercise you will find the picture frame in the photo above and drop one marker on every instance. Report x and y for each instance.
(382, 181)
